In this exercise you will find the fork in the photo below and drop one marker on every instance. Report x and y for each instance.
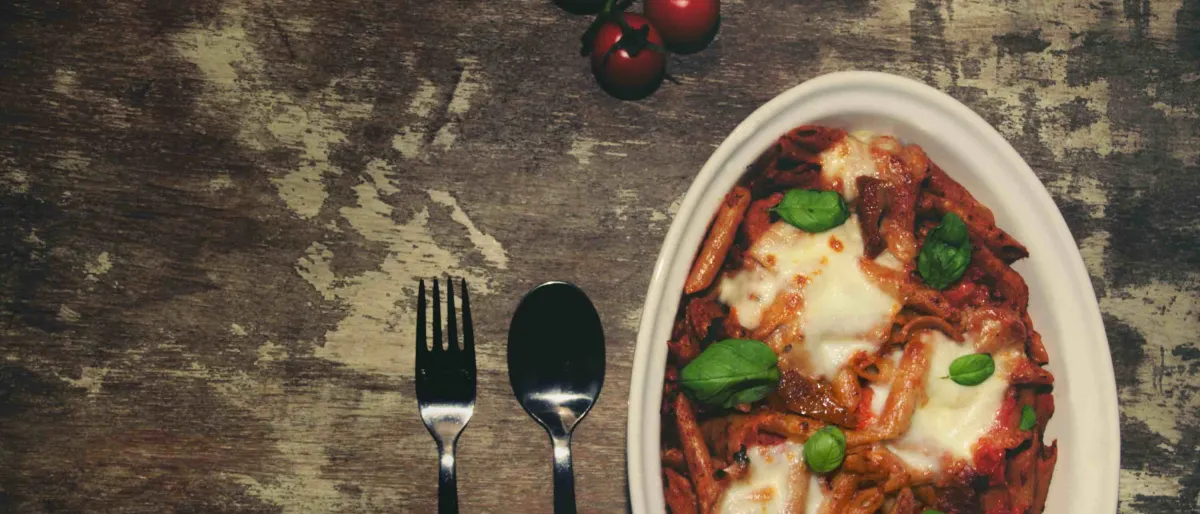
(445, 384)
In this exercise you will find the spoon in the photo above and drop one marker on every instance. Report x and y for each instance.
(556, 367)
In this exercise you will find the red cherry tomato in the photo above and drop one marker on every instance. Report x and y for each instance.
(630, 70)
(686, 25)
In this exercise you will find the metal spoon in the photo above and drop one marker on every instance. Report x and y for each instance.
(556, 367)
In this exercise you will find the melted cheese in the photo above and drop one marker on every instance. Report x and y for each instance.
(955, 417)
(889, 260)
(843, 311)
(816, 495)
(845, 161)
(767, 487)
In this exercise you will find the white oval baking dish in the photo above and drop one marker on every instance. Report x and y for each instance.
(1062, 302)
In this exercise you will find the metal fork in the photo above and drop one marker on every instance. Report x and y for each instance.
(446, 384)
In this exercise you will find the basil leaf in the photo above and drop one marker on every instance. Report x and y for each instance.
(813, 210)
(1028, 418)
(953, 230)
(730, 372)
(946, 253)
(825, 450)
(752, 394)
(971, 370)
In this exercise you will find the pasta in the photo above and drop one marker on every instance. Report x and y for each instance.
(908, 374)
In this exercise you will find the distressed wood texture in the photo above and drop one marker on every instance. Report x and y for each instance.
(215, 213)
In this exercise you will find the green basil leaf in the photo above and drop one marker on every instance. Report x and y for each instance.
(730, 372)
(932, 511)
(825, 450)
(813, 210)
(971, 370)
(953, 230)
(752, 394)
(946, 253)
(1028, 418)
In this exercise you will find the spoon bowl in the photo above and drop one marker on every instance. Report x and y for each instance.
(556, 368)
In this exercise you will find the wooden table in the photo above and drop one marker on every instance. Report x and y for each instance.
(215, 214)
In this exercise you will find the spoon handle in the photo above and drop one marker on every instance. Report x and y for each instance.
(447, 481)
(564, 480)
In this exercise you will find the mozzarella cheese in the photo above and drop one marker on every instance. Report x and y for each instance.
(767, 487)
(843, 311)
(816, 495)
(955, 417)
(847, 160)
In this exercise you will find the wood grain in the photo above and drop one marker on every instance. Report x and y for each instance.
(215, 213)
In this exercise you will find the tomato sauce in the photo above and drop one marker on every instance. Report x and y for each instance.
(865, 415)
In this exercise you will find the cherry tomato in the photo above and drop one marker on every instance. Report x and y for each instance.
(630, 70)
(686, 25)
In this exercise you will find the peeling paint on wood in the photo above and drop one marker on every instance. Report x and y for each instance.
(216, 213)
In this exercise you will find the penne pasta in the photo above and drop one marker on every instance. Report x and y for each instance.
(790, 425)
(905, 503)
(681, 498)
(841, 494)
(1009, 283)
(758, 217)
(898, 224)
(846, 389)
(866, 501)
(683, 349)
(1045, 471)
(998, 499)
(1022, 478)
(695, 452)
(798, 485)
(673, 458)
(866, 339)
(874, 197)
(980, 225)
(1034, 346)
(720, 238)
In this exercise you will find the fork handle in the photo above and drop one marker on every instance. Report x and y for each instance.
(447, 480)
(564, 479)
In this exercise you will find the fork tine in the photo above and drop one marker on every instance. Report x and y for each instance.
(451, 322)
(422, 344)
(437, 318)
(468, 341)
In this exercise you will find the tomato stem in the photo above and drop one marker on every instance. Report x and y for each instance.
(611, 50)
(656, 48)
(625, 28)
(608, 5)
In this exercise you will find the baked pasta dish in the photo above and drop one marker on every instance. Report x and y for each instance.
(852, 339)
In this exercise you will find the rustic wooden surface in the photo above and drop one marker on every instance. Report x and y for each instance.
(215, 213)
